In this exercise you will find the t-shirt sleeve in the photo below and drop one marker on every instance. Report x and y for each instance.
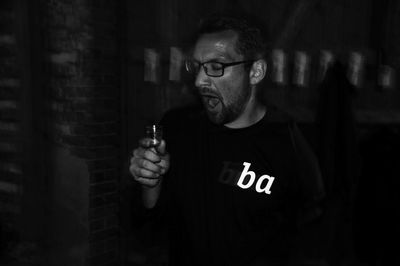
(310, 183)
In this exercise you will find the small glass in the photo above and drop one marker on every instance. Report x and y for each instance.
(155, 133)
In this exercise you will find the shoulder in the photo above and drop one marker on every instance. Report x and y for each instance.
(276, 123)
(277, 115)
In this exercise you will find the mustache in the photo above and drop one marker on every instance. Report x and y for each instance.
(208, 91)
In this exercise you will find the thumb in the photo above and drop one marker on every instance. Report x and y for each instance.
(161, 149)
(145, 143)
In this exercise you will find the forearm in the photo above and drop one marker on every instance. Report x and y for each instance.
(150, 195)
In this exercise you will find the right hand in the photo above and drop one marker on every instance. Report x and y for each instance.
(148, 164)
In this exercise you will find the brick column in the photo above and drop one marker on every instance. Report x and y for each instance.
(11, 144)
(81, 50)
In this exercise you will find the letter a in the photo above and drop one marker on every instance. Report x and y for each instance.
(246, 172)
(267, 188)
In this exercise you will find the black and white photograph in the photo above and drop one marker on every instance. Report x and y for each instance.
(199, 133)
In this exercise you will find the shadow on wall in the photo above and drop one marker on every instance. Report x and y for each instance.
(377, 215)
(68, 223)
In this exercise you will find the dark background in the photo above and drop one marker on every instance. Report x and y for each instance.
(74, 99)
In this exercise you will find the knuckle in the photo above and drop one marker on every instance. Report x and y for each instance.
(136, 152)
(145, 163)
(142, 181)
(134, 172)
(134, 162)
(148, 154)
(131, 170)
(144, 172)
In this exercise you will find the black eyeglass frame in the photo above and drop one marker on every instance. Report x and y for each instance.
(224, 65)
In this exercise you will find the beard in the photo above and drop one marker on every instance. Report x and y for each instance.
(228, 112)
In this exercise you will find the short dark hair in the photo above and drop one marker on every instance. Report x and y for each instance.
(251, 41)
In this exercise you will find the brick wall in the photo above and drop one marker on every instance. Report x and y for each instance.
(81, 53)
(11, 143)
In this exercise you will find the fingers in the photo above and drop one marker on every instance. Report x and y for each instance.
(161, 149)
(164, 164)
(145, 168)
(142, 168)
(148, 182)
(148, 154)
(146, 143)
(142, 175)
(148, 165)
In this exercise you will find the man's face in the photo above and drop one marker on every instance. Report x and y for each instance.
(225, 97)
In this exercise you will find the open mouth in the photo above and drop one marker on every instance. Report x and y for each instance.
(210, 101)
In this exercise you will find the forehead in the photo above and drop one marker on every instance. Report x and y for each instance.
(219, 45)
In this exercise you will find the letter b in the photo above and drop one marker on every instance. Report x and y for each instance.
(245, 173)
(227, 174)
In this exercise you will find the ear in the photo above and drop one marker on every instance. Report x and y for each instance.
(258, 71)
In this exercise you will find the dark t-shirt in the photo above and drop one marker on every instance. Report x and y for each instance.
(232, 196)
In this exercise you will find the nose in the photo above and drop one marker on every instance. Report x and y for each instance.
(201, 78)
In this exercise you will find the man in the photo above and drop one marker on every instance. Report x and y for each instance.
(232, 183)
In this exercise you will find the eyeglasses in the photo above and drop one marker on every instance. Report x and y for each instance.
(211, 68)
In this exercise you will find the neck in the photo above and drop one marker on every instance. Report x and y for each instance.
(253, 112)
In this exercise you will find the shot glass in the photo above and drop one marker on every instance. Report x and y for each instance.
(155, 133)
